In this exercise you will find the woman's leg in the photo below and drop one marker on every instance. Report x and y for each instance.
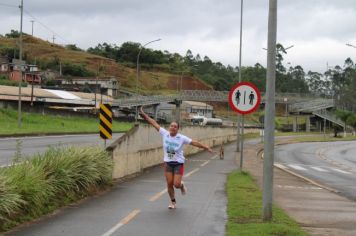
(178, 175)
(169, 179)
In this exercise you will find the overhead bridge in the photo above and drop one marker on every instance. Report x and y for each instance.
(200, 96)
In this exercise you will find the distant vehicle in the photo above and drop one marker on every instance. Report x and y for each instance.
(203, 121)
(212, 121)
(197, 120)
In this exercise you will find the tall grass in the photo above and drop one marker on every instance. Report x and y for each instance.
(40, 184)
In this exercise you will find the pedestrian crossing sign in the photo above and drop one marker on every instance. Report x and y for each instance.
(244, 98)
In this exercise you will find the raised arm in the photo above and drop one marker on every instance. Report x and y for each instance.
(149, 119)
(200, 145)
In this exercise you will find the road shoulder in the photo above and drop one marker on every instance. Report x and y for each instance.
(317, 210)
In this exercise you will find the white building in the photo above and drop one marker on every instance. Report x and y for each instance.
(188, 109)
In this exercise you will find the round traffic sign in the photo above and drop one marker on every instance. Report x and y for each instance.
(244, 98)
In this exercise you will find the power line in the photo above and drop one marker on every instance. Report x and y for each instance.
(45, 26)
(39, 22)
(8, 5)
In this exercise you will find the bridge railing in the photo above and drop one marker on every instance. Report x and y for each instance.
(329, 116)
(204, 96)
(311, 105)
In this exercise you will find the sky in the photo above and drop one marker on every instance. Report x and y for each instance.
(317, 29)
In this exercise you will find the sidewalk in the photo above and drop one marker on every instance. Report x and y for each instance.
(319, 211)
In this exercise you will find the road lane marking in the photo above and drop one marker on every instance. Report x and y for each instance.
(192, 172)
(298, 187)
(319, 169)
(341, 171)
(158, 195)
(214, 157)
(296, 167)
(123, 222)
(280, 166)
(205, 163)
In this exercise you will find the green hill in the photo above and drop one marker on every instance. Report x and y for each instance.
(49, 56)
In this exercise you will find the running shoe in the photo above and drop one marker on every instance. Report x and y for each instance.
(172, 205)
(183, 189)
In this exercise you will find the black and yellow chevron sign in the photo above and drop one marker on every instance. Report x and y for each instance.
(105, 121)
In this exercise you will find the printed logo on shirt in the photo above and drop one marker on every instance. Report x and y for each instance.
(170, 148)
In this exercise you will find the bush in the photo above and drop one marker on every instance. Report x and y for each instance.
(76, 70)
(5, 81)
(47, 181)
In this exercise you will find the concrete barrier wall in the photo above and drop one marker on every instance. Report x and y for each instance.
(141, 147)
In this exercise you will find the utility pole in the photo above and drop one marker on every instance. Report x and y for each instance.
(270, 113)
(32, 21)
(53, 38)
(96, 82)
(19, 120)
(238, 115)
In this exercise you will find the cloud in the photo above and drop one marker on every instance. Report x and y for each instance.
(319, 29)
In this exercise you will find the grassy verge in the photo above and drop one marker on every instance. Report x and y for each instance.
(327, 138)
(296, 133)
(245, 211)
(42, 124)
(39, 185)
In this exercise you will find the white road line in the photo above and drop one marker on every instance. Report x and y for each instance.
(319, 169)
(280, 166)
(205, 163)
(341, 171)
(192, 172)
(123, 222)
(298, 187)
(45, 137)
(296, 167)
(158, 195)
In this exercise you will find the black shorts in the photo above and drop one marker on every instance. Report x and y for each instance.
(174, 167)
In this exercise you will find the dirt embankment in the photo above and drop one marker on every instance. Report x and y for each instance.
(154, 81)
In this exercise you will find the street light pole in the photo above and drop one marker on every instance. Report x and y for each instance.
(138, 73)
(240, 57)
(19, 120)
(270, 113)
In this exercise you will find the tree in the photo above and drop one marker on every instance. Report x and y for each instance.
(13, 34)
(345, 116)
(315, 83)
(73, 47)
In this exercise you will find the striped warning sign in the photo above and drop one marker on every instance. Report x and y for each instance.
(105, 121)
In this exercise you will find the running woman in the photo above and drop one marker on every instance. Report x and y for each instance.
(173, 155)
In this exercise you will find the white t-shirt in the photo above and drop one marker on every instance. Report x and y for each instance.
(173, 146)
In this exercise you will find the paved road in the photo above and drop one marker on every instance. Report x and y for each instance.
(139, 205)
(32, 145)
(331, 164)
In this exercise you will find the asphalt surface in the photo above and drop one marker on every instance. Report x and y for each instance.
(32, 145)
(330, 164)
(139, 206)
(319, 211)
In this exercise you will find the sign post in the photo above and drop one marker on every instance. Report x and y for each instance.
(244, 98)
(105, 127)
